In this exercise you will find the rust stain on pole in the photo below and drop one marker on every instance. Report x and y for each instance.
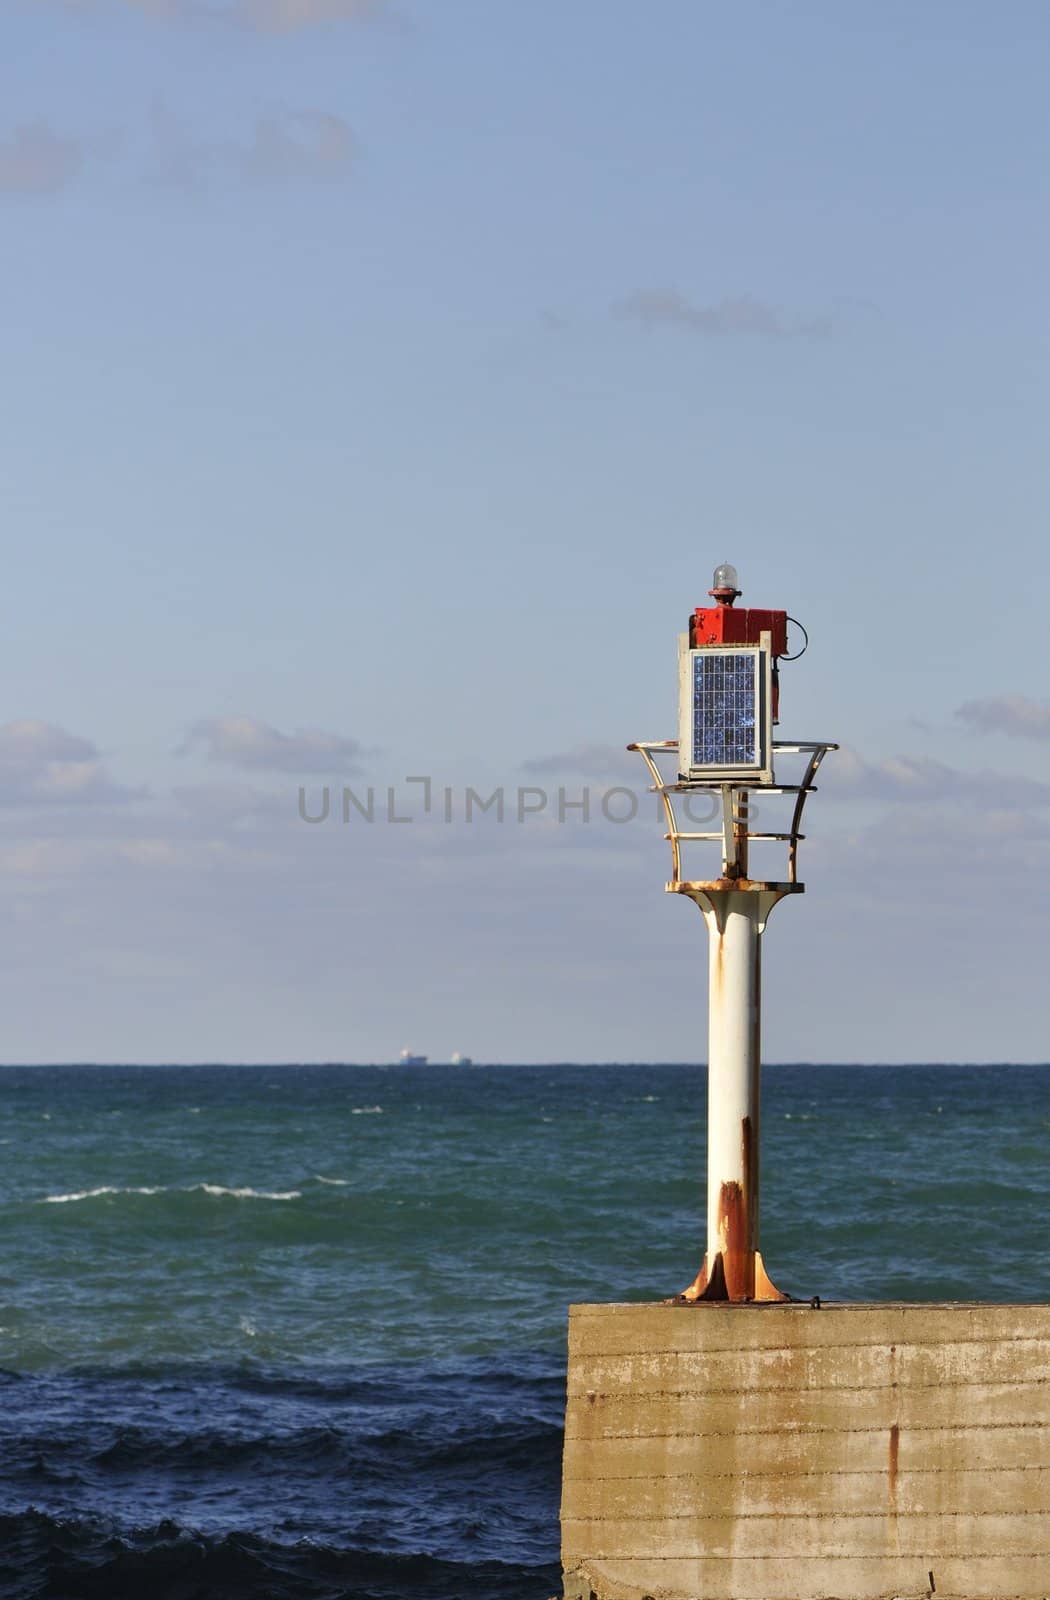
(738, 1261)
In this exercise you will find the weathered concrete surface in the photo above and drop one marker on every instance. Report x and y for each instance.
(777, 1452)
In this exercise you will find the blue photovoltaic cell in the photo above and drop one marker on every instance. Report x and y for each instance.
(724, 731)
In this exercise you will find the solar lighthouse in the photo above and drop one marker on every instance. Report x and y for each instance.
(728, 704)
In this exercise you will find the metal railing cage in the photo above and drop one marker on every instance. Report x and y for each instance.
(735, 834)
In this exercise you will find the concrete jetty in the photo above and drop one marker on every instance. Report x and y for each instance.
(784, 1452)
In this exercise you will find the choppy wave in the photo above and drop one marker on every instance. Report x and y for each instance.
(96, 1559)
(234, 1485)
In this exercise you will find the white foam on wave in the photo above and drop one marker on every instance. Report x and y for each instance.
(203, 1188)
(340, 1183)
(93, 1194)
(367, 1111)
(247, 1194)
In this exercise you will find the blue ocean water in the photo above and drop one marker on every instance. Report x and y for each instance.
(299, 1332)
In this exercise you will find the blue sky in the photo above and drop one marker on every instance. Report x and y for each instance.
(383, 382)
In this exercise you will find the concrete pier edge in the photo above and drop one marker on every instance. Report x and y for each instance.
(782, 1452)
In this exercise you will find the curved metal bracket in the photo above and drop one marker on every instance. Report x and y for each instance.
(734, 834)
(664, 791)
(817, 752)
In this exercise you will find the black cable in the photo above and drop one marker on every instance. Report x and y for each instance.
(805, 647)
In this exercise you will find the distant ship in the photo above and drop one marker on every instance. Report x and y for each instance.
(460, 1061)
(407, 1059)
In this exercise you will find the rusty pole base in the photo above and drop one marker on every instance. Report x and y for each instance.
(746, 1281)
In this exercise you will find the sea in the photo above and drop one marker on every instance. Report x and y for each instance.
(299, 1331)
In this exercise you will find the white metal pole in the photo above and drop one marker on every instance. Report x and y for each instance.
(733, 1088)
(735, 920)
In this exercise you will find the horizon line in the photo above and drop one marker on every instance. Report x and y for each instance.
(475, 1064)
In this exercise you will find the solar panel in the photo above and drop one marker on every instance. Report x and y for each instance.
(725, 708)
(724, 729)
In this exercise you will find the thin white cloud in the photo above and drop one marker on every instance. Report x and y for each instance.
(34, 159)
(282, 146)
(1012, 714)
(40, 763)
(734, 316)
(286, 16)
(252, 745)
(60, 859)
(304, 144)
(264, 16)
(921, 779)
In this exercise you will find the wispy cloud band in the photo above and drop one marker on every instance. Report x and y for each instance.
(43, 764)
(245, 742)
(1012, 714)
(734, 316)
(34, 159)
(282, 146)
(264, 16)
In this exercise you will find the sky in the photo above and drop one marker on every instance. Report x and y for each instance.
(383, 380)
